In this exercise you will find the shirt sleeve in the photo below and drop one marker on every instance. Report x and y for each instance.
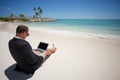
(43, 55)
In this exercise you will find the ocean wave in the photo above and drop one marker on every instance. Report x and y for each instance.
(78, 33)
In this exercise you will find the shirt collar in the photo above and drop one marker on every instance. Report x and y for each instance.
(18, 37)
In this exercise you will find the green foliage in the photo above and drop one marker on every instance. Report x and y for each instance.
(12, 15)
(38, 11)
(7, 19)
(21, 17)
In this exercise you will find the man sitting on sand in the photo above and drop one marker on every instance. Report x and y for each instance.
(27, 59)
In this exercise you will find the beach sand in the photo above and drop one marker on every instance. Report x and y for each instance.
(75, 59)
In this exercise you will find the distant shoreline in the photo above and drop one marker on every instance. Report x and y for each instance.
(24, 19)
(42, 19)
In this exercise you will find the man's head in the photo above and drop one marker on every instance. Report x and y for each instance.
(22, 31)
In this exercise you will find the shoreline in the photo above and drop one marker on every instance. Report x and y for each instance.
(75, 59)
(10, 28)
(59, 32)
(78, 34)
(64, 29)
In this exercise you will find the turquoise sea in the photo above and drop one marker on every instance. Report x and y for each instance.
(97, 28)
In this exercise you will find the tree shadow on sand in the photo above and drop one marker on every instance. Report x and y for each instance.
(14, 75)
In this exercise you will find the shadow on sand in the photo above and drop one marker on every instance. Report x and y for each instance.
(14, 75)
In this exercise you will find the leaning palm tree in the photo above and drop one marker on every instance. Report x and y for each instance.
(34, 9)
(40, 11)
(36, 14)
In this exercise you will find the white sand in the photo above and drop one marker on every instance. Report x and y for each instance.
(75, 59)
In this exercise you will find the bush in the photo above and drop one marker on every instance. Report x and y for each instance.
(7, 19)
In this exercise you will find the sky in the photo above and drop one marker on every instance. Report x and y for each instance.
(63, 9)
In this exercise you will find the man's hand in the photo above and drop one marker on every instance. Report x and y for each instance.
(50, 51)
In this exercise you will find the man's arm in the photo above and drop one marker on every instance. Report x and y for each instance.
(47, 53)
(30, 55)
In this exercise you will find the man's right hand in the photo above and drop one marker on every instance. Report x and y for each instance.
(50, 51)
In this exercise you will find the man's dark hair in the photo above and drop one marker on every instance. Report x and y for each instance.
(21, 29)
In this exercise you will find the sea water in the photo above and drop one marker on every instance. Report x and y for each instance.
(97, 28)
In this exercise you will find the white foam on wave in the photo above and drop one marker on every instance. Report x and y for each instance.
(78, 34)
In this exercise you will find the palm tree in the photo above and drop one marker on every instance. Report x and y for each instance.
(40, 11)
(36, 14)
(34, 9)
